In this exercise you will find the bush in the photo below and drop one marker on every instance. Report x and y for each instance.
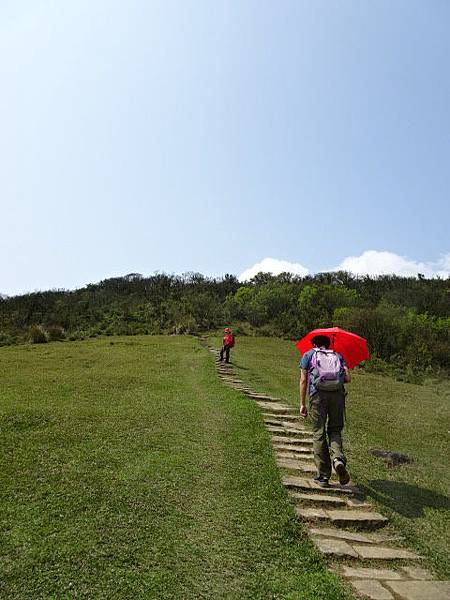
(6, 340)
(55, 333)
(37, 335)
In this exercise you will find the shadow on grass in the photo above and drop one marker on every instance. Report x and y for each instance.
(406, 499)
(239, 366)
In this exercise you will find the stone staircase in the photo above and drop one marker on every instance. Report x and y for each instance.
(343, 526)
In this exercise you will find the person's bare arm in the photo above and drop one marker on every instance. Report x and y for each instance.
(347, 376)
(303, 388)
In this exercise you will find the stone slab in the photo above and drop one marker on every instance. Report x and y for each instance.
(292, 448)
(311, 514)
(296, 465)
(282, 430)
(290, 426)
(294, 429)
(263, 397)
(276, 407)
(284, 426)
(357, 518)
(384, 553)
(417, 573)
(350, 536)
(288, 417)
(310, 484)
(291, 422)
(319, 499)
(421, 590)
(292, 455)
(366, 573)
(287, 439)
(336, 548)
(372, 589)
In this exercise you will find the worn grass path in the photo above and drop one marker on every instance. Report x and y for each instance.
(129, 471)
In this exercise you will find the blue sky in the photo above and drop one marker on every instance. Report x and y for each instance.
(207, 136)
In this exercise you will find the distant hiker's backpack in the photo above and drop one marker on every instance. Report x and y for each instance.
(325, 369)
(229, 340)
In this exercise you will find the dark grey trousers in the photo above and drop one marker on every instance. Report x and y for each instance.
(327, 411)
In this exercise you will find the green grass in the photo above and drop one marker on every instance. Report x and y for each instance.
(381, 413)
(130, 471)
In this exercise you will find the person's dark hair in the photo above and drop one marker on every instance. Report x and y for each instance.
(321, 340)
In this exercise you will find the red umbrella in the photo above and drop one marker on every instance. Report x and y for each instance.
(352, 347)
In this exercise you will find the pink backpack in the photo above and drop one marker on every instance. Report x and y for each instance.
(325, 369)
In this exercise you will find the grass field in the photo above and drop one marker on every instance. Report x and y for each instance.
(130, 471)
(381, 413)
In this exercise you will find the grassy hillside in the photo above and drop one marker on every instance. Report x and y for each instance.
(381, 413)
(129, 471)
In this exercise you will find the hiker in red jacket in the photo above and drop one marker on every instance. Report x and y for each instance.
(227, 344)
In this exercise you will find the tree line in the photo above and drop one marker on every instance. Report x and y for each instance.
(406, 320)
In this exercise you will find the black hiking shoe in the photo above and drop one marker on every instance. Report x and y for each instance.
(322, 481)
(341, 471)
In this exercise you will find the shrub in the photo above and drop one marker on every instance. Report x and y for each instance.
(6, 340)
(37, 334)
(55, 333)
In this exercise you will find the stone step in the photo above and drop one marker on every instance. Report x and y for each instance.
(370, 573)
(340, 548)
(351, 536)
(420, 590)
(286, 431)
(343, 518)
(384, 553)
(371, 589)
(415, 572)
(289, 427)
(275, 421)
(296, 465)
(285, 454)
(310, 484)
(295, 441)
(335, 548)
(292, 448)
(286, 427)
(318, 499)
(263, 397)
(357, 519)
(296, 425)
(276, 407)
(286, 417)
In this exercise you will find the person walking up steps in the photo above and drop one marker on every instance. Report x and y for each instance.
(323, 374)
(227, 344)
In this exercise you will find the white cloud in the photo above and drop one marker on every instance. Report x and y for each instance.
(375, 262)
(274, 266)
(370, 262)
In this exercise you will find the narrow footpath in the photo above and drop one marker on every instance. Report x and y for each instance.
(344, 527)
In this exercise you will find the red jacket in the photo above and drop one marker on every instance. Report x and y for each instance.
(228, 340)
